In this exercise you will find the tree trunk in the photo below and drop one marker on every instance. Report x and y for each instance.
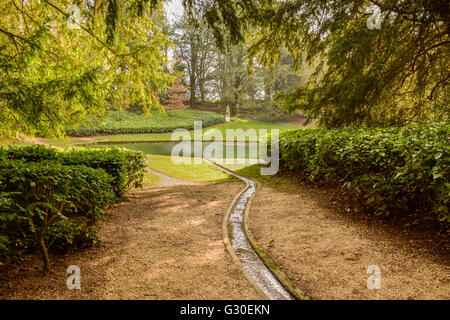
(201, 85)
(192, 90)
(267, 89)
(193, 71)
(234, 105)
(44, 252)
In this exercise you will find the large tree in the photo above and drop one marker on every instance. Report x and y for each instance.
(234, 78)
(57, 66)
(195, 49)
(391, 75)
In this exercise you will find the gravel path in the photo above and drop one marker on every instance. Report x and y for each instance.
(326, 251)
(164, 242)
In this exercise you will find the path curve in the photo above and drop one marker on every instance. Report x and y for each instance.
(168, 181)
(239, 246)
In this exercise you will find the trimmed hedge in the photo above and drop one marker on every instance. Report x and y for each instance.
(114, 122)
(34, 153)
(53, 198)
(73, 190)
(34, 195)
(393, 170)
(125, 166)
(113, 161)
(135, 165)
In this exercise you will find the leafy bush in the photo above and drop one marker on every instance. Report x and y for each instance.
(11, 235)
(135, 168)
(126, 122)
(393, 170)
(33, 153)
(111, 160)
(125, 166)
(65, 233)
(37, 194)
(52, 197)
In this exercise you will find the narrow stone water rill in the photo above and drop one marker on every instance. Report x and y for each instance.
(242, 248)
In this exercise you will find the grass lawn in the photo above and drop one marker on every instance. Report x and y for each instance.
(150, 179)
(207, 133)
(191, 172)
(246, 125)
(252, 171)
(114, 122)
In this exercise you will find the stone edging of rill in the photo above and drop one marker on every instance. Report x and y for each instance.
(285, 281)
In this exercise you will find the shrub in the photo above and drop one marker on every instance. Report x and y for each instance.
(33, 153)
(64, 233)
(393, 170)
(111, 160)
(37, 194)
(124, 122)
(135, 167)
(125, 166)
(11, 233)
(52, 198)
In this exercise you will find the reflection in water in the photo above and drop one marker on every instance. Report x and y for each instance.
(216, 150)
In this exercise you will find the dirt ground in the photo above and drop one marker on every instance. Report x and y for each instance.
(327, 252)
(154, 246)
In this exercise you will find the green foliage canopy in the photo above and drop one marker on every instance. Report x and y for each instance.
(52, 75)
(362, 76)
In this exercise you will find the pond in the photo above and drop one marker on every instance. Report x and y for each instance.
(217, 150)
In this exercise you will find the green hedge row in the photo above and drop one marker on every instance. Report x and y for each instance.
(53, 198)
(393, 170)
(125, 166)
(124, 122)
(36, 194)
